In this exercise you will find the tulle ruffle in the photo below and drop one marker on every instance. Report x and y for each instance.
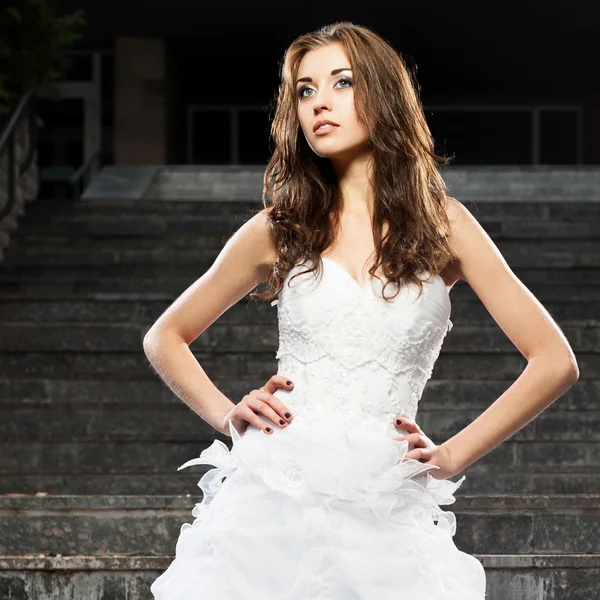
(311, 513)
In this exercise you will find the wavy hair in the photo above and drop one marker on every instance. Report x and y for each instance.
(300, 189)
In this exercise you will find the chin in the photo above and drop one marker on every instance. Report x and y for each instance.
(330, 152)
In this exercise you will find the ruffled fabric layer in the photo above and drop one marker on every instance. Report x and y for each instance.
(317, 513)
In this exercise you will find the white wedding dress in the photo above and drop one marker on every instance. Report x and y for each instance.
(327, 508)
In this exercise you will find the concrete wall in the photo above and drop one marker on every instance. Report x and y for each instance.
(140, 107)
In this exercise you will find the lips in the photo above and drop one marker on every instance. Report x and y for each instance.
(324, 122)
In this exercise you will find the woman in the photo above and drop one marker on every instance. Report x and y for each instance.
(322, 498)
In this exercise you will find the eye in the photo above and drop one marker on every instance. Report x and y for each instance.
(346, 79)
(301, 95)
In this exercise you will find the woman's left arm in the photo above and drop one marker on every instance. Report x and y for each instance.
(551, 365)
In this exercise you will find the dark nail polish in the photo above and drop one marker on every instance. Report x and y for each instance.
(398, 421)
(268, 429)
(287, 415)
(281, 422)
(288, 383)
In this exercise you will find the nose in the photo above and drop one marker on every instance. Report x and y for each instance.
(320, 107)
(320, 103)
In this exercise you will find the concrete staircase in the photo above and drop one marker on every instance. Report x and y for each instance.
(90, 438)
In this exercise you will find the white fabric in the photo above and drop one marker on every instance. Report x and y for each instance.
(328, 508)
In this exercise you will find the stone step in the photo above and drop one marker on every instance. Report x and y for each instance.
(154, 457)
(563, 285)
(31, 577)
(61, 423)
(134, 365)
(175, 230)
(444, 395)
(175, 279)
(508, 576)
(487, 480)
(225, 337)
(550, 254)
(149, 525)
(120, 227)
(537, 183)
(24, 240)
(123, 207)
(500, 208)
(466, 310)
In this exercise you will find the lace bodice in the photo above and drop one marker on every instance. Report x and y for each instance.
(356, 360)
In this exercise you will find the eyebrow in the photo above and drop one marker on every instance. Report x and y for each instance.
(334, 72)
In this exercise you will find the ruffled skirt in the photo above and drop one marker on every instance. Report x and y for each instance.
(310, 513)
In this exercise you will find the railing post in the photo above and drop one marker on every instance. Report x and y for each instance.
(31, 135)
(8, 142)
(535, 136)
(80, 179)
(579, 137)
(10, 179)
(234, 122)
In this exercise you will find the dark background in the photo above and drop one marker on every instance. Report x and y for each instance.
(465, 53)
(533, 48)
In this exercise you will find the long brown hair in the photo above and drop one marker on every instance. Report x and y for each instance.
(300, 188)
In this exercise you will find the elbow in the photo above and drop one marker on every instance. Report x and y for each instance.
(573, 371)
(563, 367)
(151, 341)
(158, 337)
(148, 343)
(570, 369)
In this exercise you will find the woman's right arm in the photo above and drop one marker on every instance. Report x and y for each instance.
(242, 264)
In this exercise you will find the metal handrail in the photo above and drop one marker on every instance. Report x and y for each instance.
(14, 117)
(7, 142)
(91, 164)
(234, 111)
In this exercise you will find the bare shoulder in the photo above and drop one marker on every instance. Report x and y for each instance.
(268, 244)
(454, 211)
(251, 247)
(453, 208)
(243, 263)
(466, 236)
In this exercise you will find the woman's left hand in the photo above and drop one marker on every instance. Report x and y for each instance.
(425, 450)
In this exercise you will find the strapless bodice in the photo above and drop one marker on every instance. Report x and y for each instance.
(356, 360)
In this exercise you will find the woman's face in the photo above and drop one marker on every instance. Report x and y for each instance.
(329, 96)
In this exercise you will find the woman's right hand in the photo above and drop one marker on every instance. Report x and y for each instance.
(245, 412)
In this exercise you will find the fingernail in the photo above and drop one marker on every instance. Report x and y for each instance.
(288, 383)
(287, 415)
(398, 421)
(268, 429)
